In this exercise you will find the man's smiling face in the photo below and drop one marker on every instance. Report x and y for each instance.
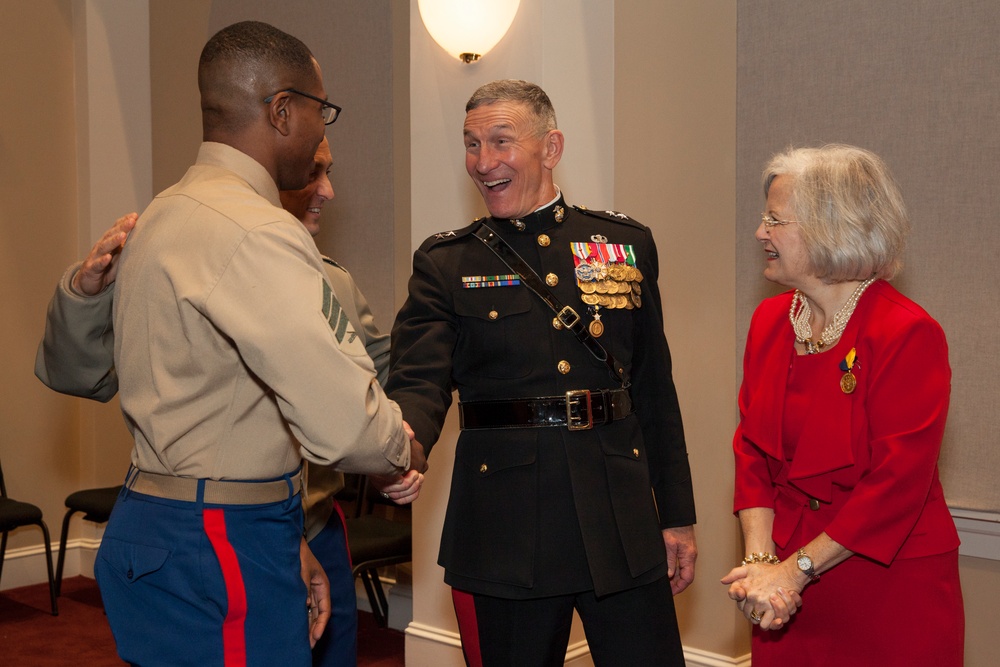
(509, 158)
(305, 204)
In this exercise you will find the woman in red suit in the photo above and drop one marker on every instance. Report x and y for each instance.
(842, 409)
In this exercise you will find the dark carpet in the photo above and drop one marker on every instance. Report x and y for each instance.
(79, 636)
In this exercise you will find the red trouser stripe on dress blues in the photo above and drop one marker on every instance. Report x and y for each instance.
(234, 648)
(468, 626)
(343, 522)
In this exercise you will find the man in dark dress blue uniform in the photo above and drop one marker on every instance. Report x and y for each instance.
(571, 485)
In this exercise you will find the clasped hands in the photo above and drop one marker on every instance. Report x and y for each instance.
(404, 489)
(767, 594)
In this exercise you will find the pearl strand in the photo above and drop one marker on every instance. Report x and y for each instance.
(800, 313)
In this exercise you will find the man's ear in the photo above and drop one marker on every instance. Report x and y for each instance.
(553, 148)
(278, 110)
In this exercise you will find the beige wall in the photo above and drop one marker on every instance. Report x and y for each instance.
(40, 445)
(58, 68)
(675, 150)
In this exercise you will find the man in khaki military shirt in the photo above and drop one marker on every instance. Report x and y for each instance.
(76, 357)
(230, 372)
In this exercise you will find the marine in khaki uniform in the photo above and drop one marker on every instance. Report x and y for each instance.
(230, 372)
(76, 356)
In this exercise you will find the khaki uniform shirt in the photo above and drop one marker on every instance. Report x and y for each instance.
(76, 356)
(232, 360)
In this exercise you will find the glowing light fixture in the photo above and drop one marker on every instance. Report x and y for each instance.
(467, 29)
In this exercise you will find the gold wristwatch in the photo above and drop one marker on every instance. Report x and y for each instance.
(805, 564)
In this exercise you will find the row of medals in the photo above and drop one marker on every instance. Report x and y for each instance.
(608, 286)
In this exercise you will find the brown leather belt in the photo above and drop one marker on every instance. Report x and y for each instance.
(578, 410)
(217, 492)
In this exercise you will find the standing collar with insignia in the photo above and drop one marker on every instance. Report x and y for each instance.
(543, 218)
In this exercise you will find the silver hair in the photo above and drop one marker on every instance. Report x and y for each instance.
(518, 92)
(851, 213)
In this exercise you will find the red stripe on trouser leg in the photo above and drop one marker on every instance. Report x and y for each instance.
(468, 626)
(234, 647)
(343, 522)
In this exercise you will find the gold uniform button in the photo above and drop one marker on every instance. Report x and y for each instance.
(483, 468)
(494, 314)
(635, 452)
(551, 280)
(544, 240)
(556, 324)
(563, 367)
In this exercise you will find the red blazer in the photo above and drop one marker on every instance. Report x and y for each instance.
(870, 457)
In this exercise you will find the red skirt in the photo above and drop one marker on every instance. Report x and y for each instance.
(863, 613)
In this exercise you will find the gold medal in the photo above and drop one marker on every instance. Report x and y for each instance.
(587, 287)
(589, 299)
(848, 382)
(596, 328)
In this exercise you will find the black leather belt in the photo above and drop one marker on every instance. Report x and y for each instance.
(577, 410)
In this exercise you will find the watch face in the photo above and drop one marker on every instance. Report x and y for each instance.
(805, 563)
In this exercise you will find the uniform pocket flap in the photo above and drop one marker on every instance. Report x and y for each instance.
(132, 561)
(496, 451)
(492, 303)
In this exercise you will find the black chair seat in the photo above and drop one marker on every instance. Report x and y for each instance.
(373, 538)
(96, 506)
(14, 514)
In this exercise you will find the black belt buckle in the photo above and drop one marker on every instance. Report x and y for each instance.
(569, 319)
(576, 398)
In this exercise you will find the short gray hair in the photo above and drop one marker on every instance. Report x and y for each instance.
(518, 92)
(849, 208)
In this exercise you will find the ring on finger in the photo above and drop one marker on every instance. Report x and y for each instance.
(755, 616)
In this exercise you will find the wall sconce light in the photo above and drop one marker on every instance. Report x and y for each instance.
(467, 29)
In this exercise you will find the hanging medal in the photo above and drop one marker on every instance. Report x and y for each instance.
(596, 327)
(848, 382)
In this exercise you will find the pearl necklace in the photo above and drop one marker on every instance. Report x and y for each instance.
(800, 313)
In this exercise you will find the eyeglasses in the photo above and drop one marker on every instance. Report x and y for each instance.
(770, 223)
(330, 111)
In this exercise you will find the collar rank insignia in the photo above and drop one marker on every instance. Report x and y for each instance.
(444, 235)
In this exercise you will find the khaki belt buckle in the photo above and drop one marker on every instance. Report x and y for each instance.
(573, 399)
